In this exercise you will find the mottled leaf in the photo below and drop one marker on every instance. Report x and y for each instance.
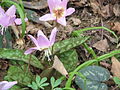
(15, 54)
(69, 59)
(67, 44)
(94, 76)
(20, 74)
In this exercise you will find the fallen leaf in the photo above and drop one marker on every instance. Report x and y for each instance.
(76, 21)
(115, 69)
(116, 9)
(116, 27)
(101, 45)
(58, 65)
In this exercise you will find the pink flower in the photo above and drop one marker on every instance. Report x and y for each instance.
(58, 11)
(42, 42)
(5, 85)
(8, 18)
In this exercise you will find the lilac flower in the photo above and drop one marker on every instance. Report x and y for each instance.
(5, 85)
(8, 18)
(42, 42)
(58, 11)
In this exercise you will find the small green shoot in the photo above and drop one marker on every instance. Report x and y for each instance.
(117, 81)
(55, 83)
(39, 83)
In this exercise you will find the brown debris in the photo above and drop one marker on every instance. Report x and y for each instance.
(101, 45)
(115, 67)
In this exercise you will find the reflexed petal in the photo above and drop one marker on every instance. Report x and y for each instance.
(62, 21)
(8, 85)
(53, 3)
(53, 35)
(69, 11)
(43, 41)
(30, 50)
(34, 40)
(12, 20)
(18, 21)
(1, 10)
(4, 21)
(11, 11)
(47, 17)
(2, 84)
(40, 33)
(64, 4)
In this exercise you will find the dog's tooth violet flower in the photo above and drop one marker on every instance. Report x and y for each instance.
(8, 18)
(58, 11)
(5, 85)
(43, 43)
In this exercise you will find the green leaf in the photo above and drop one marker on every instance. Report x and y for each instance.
(67, 44)
(57, 82)
(38, 79)
(15, 54)
(69, 59)
(20, 74)
(58, 89)
(116, 80)
(52, 81)
(43, 80)
(45, 84)
(95, 75)
(34, 86)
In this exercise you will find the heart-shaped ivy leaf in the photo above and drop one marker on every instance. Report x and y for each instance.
(93, 78)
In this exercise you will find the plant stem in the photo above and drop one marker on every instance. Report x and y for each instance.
(90, 62)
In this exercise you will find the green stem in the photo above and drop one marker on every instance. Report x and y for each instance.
(93, 28)
(90, 50)
(90, 62)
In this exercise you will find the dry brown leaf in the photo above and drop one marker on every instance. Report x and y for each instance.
(115, 69)
(116, 9)
(116, 27)
(58, 65)
(101, 45)
(76, 21)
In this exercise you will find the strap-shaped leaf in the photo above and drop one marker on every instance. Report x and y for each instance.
(15, 54)
(67, 44)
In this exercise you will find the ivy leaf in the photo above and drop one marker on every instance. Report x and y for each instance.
(95, 75)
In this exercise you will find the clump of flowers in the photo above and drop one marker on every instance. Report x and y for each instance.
(43, 43)
(5, 85)
(58, 11)
(8, 18)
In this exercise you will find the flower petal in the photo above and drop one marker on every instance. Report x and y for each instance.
(47, 17)
(69, 11)
(64, 4)
(42, 40)
(1, 10)
(53, 4)
(4, 20)
(34, 40)
(62, 21)
(2, 84)
(52, 36)
(11, 11)
(19, 22)
(30, 50)
(8, 85)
